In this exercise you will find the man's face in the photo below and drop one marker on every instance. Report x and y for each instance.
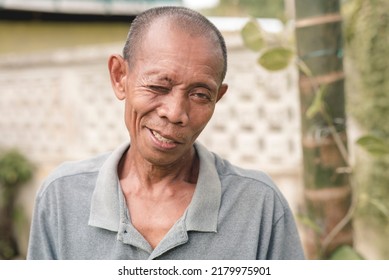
(170, 93)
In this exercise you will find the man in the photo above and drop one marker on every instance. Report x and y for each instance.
(164, 196)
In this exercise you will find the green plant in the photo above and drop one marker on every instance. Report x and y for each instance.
(278, 55)
(15, 170)
(376, 146)
(367, 39)
(275, 52)
(345, 253)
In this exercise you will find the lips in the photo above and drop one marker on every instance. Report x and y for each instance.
(161, 138)
(163, 141)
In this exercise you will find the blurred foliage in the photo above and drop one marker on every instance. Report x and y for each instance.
(367, 41)
(367, 35)
(374, 145)
(345, 253)
(276, 59)
(275, 51)
(253, 8)
(253, 36)
(275, 55)
(15, 170)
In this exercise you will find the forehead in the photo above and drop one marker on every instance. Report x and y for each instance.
(180, 28)
(166, 40)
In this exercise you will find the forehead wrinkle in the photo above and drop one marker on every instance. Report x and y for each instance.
(155, 75)
(203, 63)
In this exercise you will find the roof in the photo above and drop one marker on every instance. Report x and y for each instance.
(100, 7)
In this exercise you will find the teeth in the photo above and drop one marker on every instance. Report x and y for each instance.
(161, 138)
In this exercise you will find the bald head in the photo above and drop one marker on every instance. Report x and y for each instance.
(179, 18)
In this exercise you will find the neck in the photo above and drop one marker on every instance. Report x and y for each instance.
(137, 171)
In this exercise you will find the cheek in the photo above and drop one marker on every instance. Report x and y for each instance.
(136, 111)
(131, 114)
(199, 125)
(202, 116)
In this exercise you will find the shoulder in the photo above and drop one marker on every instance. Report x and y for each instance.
(227, 169)
(234, 177)
(255, 182)
(71, 172)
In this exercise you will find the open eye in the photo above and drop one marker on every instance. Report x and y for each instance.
(201, 95)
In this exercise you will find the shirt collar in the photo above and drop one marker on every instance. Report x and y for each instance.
(201, 214)
(105, 205)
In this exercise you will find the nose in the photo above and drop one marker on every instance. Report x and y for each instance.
(174, 107)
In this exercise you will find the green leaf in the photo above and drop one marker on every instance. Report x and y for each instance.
(304, 68)
(318, 104)
(252, 36)
(308, 222)
(374, 145)
(380, 207)
(345, 252)
(276, 59)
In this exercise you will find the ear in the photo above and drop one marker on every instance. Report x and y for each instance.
(117, 71)
(222, 90)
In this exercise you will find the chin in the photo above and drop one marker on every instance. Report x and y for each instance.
(167, 158)
(162, 161)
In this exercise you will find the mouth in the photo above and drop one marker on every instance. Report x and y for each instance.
(161, 138)
(165, 142)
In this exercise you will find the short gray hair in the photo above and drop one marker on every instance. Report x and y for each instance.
(187, 19)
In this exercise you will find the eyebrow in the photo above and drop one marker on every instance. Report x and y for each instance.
(153, 76)
(203, 85)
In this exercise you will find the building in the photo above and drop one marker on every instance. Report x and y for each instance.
(105, 8)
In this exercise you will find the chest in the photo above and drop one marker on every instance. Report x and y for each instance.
(154, 216)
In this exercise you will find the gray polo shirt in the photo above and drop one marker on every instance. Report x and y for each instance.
(80, 213)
